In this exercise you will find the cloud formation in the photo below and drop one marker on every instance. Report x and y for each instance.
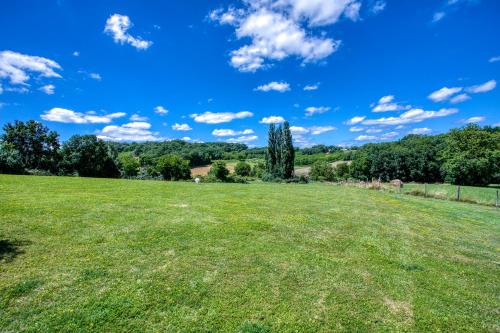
(387, 103)
(61, 115)
(181, 127)
(445, 93)
(272, 120)
(48, 89)
(220, 117)
(230, 132)
(117, 26)
(274, 86)
(313, 110)
(135, 131)
(160, 110)
(410, 117)
(17, 67)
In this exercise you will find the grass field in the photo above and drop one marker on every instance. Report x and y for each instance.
(481, 195)
(97, 255)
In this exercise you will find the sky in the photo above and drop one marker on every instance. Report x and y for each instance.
(342, 72)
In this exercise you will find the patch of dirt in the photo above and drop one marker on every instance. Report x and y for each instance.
(400, 308)
(204, 170)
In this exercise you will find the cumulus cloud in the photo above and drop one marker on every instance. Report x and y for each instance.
(281, 28)
(375, 130)
(298, 130)
(317, 130)
(378, 7)
(230, 132)
(482, 88)
(220, 117)
(460, 98)
(385, 136)
(420, 131)
(313, 110)
(274, 86)
(387, 103)
(138, 117)
(473, 120)
(48, 89)
(311, 87)
(17, 67)
(494, 59)
(411, 116)
(76, 54)
(243, 139)
(356, 129)
(366, 138)
(444, 94)
(181, 127)
(438, 16)
(135, 131)
(355, 120)
(117, 26)
(95, 76)
(272, 120)
(160, 110)
(61, 115)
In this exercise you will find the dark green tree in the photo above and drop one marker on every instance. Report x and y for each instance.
(219, 170)
(10, 160)
(37, 146)
(288, 152)
(172, 167)
(89, 157)
(271, 150)
(129, 164)
(242, 169)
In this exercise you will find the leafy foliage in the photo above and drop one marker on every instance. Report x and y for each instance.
(10, 160)
(129, 164)
(243, 169)
(172, 167)
(322, 170)
(280, 153)
(219, 170)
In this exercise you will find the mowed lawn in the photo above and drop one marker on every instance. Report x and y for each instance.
(100, 255)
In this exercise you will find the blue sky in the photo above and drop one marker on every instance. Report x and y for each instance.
(340, 71)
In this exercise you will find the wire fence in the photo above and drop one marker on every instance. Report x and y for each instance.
(488, 196)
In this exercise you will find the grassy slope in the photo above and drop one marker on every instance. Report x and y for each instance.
(482, 195)
(117, 255)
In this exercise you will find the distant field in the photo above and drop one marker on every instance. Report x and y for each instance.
(101, 255)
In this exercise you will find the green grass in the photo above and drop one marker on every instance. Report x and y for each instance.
(481, 195)
(96, 255)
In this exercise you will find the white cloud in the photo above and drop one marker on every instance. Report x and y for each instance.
(494, 59)
(117, 26)
(356, 129)
(135, 131)
(460, 98)
(389, 136)
(411, 116)
(230, 132)
(1, 89)
(276, 86)
(355, 120)
(438, 16)
(444, 94)
(243, 139)
(69, 116)
(313, 110)
(17, 67)
(375, 130)
(48, 89)
(311, 87)
(482, 88)
(280, 29)
(95, 76)
(76, 54)
(137, 117)
(160, 110)
(378, 7)
(472, 120)
(387, 103)
(220, 117)
(181, 127)
(420, 131)
(366, 138)
(272, 120)
(298, 130)
(317, 130)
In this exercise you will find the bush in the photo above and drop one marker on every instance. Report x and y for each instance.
(10, 160)
(342, 171)
(219, 170)
(322, 170)
(243, 169)
(258, 169)
(172, 167)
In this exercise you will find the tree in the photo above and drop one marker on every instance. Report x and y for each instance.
(288, 152)
(342, 170)
(322, 170)
(10, 160)
(172, 167)
(242, 169)
(271, 150)
(129, 164)
(471, 156)
(37, 146)
(219, 170)
(89, 156)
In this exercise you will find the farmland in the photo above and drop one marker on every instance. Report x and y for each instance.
(83, 254)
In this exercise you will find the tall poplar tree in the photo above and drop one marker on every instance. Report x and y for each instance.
(271, 153)
(288, 152)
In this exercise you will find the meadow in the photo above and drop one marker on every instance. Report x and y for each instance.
(108, 255)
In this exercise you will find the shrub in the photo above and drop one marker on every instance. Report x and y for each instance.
(322, 170)
(172, 167)
(243, 169)
(219, 170)
(10, 160)
(258, 169)
(342, 171)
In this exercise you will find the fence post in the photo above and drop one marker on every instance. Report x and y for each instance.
(458, 193)
(497, 200)
(425, 190)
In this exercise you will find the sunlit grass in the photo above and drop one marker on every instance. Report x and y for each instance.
(116, 255)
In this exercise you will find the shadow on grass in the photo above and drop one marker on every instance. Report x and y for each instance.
(11, 249)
